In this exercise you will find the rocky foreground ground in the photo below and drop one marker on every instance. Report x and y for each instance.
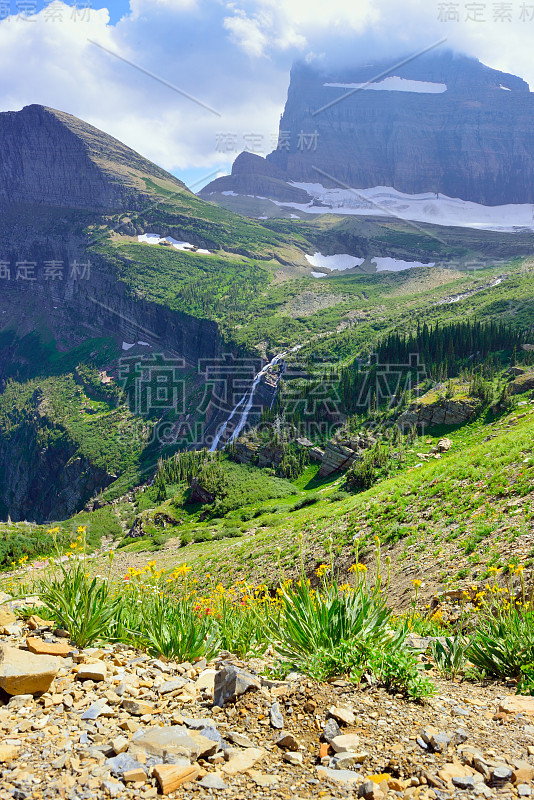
(114, 722)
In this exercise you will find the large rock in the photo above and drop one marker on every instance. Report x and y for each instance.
(523, 383)
(441, 412)
(230, 683)
(337, 458)
(173, 740)
(198, 494)
(22, 672)
(341, 453)
(518, 704)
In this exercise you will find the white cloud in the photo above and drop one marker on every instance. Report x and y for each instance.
(246, 33)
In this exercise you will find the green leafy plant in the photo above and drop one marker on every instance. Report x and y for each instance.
(503, 644)
(397, 668)
(526, 684)
(332, 630)
(172, 627)
(85, 606)
(450, 657)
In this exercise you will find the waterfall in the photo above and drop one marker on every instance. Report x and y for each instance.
(244, 405)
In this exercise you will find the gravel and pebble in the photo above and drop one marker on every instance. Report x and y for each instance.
(114, 722)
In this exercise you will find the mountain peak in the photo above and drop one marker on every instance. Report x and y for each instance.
(53, 158)
(440, 123)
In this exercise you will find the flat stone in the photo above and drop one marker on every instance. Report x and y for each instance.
(275, 715)
(244, 760)
(98, 709)
(260, 779)
(172, 685)
(450, 771)
(92, 672)
(8, 752)
(135, 774)
(344, 776)
(212, 781)
(230, 683)
(25, 673)
(341, 714)
(137, 708)
(523, 789)
(171, 776)
(173, 740)
(293, 758)
(159, 665)
(346, 760)
(503, 773)
(42, 648)
(346, 743)
(239, 739)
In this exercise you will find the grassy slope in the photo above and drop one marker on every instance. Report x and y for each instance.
(446, 520)
(252, 306)
(104, 434)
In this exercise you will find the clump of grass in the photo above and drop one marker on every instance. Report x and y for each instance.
(338, 629)
(84, 606)
(503, 642)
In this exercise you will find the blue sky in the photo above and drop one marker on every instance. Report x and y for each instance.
(117, 8)
(191, 83)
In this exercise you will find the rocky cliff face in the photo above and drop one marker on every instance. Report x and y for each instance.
(441, 123)
(60, 181)
(49, 157)
(42, 474)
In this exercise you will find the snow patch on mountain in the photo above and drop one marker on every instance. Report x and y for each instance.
(339, 262)
(394, 84)
(154, 238)
(430, 207)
